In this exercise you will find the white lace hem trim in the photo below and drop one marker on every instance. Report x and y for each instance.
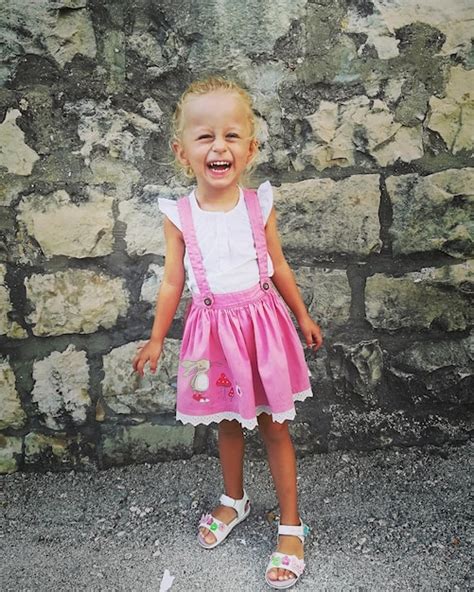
(250, 423)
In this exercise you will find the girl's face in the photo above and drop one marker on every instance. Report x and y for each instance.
(216, 139)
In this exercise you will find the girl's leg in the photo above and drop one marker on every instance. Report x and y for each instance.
(231, 454)
(282, 460)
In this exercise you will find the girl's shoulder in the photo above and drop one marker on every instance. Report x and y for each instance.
(265, 198)
(169, 207)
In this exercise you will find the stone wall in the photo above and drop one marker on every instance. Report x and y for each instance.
(366, 125)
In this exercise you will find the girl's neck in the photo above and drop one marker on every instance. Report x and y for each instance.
(221, 200)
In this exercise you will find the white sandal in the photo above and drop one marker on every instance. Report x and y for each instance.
(220, 529)
(289, 562)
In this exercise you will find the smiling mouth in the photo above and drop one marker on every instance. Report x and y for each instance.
(219, 165)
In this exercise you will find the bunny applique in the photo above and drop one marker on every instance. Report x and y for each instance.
(199, 380)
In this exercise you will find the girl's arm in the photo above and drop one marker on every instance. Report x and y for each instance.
(168, 299)
(285, 283)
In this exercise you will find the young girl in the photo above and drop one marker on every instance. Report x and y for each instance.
(241, 361)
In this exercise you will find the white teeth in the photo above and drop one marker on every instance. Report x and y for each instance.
(219, 162)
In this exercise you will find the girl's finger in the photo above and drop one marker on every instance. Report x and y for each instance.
(317, 341)
(135, 361)
(141, 366)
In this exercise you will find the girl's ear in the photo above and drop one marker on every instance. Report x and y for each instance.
(253, 150)
(178, 149)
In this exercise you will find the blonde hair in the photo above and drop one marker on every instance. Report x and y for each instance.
(203, 87)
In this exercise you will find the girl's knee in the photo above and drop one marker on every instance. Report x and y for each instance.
(272, 431)
(230, 428)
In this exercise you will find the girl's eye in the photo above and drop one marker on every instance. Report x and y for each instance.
(204, 137)
(233, 135)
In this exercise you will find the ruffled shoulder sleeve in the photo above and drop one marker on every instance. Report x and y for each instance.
(170, 209)
(265, 197)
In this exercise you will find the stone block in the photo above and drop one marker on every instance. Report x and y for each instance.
(148, 47)
(61, 389)
(437, 371)
(121, 134)
(325, 216)
(75, 301)
(357, 369)
(433, 213)
(11, 411)
(230, 31)
(61, 227)
(145, 443)
(8, 327)
(144, 221)
(11, 187)
(327, 294)
(15, 155)
(10, 453)
(453, 115)
(359, 125)
(119, 176)
(125, 392)
(71, 34)
(58, 451)
(380, 24)
(385, 139)
(377, 35)
(151, 110)
(52, 29)
(431, 297)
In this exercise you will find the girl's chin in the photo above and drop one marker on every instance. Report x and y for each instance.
(220, 180)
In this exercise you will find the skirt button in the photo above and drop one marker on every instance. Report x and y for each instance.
(265, 285)
(207, 301)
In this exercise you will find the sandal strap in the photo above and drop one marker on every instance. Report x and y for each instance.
(239, 505)
(289, 562)
(300, 531)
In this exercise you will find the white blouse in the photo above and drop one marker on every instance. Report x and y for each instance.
(226, 242)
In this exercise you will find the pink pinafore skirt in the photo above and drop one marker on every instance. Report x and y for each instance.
(240, 355)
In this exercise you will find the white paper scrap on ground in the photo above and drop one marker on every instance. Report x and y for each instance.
(166, 582)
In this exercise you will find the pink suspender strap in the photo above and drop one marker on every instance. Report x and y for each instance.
(192, 247)
(258, 231)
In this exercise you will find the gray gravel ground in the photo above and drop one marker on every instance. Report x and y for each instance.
(384, 520)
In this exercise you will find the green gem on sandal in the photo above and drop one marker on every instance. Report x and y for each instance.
(306, 530)
(213, 526)
(276, 561)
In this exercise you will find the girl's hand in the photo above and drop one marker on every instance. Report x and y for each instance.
(150, 352)
(312, 332)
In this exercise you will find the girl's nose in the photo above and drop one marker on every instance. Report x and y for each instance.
(219, 145)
